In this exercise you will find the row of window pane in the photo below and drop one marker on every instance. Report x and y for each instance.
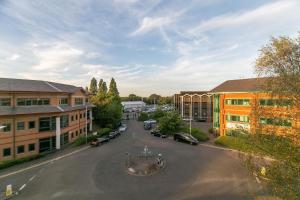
(20, 126)
(32, 102)
(20, 149)
(276, 121)
(275, 102)
(78, 101)
(237, 118)
(64, 101)
(47, 124)
(5, 102)
(64, 121)
(243, 102)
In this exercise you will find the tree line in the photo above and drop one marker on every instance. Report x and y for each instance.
(152, 99)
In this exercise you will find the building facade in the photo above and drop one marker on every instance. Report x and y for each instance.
(137, 105)
(40, 116)
(243, 105)
(196, 105)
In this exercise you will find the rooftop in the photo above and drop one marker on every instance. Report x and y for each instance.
(25, 85)
(241, 85)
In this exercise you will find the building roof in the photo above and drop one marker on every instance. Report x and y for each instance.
(24, 85)
(132, 102)
(23, 110)
(241, 85)
(193, 92)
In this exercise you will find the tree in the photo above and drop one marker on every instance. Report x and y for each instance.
(93, 86)
(102, 90)
(279, 61)
(113, 90)
(154, 98)
(170, 123)
(133, 97)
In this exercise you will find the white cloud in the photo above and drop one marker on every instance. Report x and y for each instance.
(55, 55)
(262, 15)
(13, 57)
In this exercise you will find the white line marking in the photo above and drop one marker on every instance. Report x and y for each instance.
(32, 178)
(23, 186)
(43, 163)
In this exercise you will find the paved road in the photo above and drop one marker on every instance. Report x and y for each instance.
(192, 172)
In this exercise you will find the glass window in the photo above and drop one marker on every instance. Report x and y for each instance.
(237, 118)
(31, 147)
(64, 101)
(20, 125)
(32, 101)
(31, 124)
(275, 102)
(80, 115)
(276, 121)
(21, 149)
(47, 123)
(78, 101)
(72, 118)
(6, 152)
(244, 102)
(5, 102)
(64, 121)
(7, 127)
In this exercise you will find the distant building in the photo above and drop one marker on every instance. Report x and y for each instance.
(133, 105)
(194, 104)
(243, 104)
(40, 116)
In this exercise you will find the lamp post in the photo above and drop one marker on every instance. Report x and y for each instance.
(86, 115)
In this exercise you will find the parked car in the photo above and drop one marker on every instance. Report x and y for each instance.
(157, 133)
(98, 141)
(113, 134)
(186, 138)
(123, 128)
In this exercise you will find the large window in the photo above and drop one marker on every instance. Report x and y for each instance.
(239, 102)
(20, 126)
(47, 124)
(31, 124)
(31, 147)
(6, 127)
(78, 101)
(6, 152)
(32, 101)
(275, 102)
(5, 102)
(21, 149)
(64, 121)
(276, 121)
(237, 118)
(64, 101)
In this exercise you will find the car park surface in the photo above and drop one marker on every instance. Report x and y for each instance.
(191, 173)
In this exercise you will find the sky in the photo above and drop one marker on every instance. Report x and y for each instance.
(148, 46)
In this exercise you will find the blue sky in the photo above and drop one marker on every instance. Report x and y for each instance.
(148, 46)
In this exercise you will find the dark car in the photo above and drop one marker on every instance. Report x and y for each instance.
(157, 133)
(98, 141)
(186, 138)
(113, 134)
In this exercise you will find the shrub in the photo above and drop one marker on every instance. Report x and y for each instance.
(211, 130)
(104, 131)
(143, 117)
(9, 163)
(197, 133)
(82, 140)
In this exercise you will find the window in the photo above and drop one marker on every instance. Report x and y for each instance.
(240, 102)
(31, 124)
(6, 152)
(31, 147)
(47, 124)
(5, 102)
(72, 118)
(21, 149)
(80, 115)
(64, 121)
(80, 131)
(275, 102)
(76, 133)
(32, 101)
(76, 117)
(276, 121)
(20, 125)
(64, 101)
(72, 135)
(237, 118)
(78, 101)
(83, 115)
(7, 127)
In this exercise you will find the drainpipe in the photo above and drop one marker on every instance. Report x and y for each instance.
(14, 128)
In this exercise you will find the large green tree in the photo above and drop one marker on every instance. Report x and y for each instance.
(93, 86)
(113, 90)
(102, 89)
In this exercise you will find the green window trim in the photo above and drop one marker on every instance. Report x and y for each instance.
(285, 122)
(276, 102)
(237, 118)
(5, 101)
(47, 124)
(32, 101)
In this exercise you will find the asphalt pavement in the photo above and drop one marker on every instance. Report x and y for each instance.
(191, 173)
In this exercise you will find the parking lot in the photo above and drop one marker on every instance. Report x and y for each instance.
(191, 172)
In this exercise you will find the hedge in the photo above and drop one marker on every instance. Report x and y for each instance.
(197, 133)
(9, 163)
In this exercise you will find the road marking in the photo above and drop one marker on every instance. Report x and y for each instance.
(23, 186)
(32, 178)
(44, 163)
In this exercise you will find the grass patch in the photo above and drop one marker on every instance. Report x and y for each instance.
(197, 133)
(9, 163)
(238, 143)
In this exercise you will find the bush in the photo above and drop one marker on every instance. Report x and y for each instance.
(211, 130)
(104, 131)
(143, 117)
(197, 133)
(9, 163)
(170, 123)
(82, 140)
